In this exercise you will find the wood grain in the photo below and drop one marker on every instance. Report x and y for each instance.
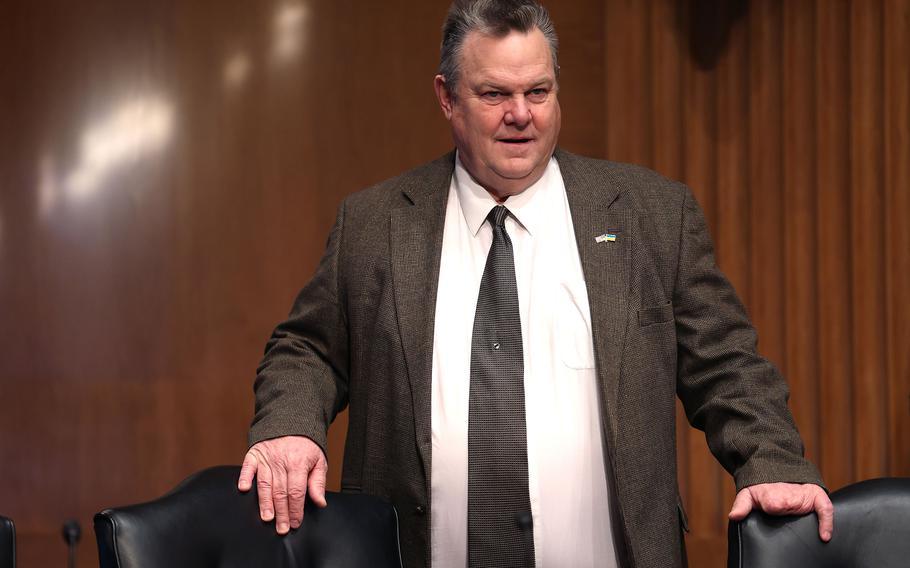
(867, 240)
(136, 300)
(897, 229)
(627, 86)
(832, 98)
(799, 231)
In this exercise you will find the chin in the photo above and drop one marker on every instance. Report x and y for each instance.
(517, 171)
(513, 174)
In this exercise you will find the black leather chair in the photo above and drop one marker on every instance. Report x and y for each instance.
(206, 522)
(7, 543)
(871, 530)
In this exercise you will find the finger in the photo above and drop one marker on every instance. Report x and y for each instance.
(247, 471)
(742, 505)
(786, 503)
(297, 483)
(280, 499)
(316, 482)
(264, 489)
(825, 511)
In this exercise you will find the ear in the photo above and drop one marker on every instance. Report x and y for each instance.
(446, 101)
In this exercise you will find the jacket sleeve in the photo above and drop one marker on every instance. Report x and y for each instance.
(302, 381)
(738, 398)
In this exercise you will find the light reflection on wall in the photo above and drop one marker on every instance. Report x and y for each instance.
(288, 31)
(236, 69)
(287, 34)
(48, 188)
(135, 129)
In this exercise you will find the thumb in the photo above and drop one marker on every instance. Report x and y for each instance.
(316, 483)
(247, 471)
(742, 505)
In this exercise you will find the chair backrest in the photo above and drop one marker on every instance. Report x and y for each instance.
(871, 530)
(7, 543)
(207, 523)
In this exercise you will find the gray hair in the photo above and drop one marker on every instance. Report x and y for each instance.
(495, 18)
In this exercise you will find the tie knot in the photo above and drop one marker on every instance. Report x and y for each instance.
(497, 216)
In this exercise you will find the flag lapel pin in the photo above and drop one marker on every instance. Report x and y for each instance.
(606, 238)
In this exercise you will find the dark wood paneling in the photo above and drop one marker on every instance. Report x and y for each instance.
(766, 176)
(867, 239)
(581, 59)
(832, 48)
(627, 86)
(169, 171)
(733, 227)
(897, 230)
(799, 232)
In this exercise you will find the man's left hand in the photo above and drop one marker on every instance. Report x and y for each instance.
(787, 499)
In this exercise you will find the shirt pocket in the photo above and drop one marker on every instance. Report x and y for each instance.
(573, 330)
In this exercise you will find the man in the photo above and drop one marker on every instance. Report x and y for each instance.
(514, 283)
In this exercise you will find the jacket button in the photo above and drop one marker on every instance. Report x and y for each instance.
(420, 510)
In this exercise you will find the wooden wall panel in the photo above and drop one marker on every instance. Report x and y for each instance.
(732, 227)
(135, 303)
(799, 232)
(867, 239)
(896, 43)
(582, 60)
(627, 85)
(832, 48)
(766, 176)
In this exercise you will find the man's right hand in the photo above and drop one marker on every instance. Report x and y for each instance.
(286, 469)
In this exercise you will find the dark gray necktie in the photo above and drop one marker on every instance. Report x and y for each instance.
(499, 507)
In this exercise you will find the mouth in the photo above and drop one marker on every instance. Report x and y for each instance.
(515, 141)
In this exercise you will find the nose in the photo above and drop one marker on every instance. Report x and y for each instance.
(518, 113)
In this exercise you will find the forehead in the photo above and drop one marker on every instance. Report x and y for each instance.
(516, 57)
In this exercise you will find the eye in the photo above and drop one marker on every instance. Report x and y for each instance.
(492, 96)
(538, 95)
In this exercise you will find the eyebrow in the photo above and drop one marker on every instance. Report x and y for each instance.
(491, 85)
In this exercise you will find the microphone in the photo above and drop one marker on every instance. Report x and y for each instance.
(71, 534)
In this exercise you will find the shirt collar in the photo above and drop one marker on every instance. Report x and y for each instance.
(528, 207)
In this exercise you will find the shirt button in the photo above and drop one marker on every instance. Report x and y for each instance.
(420, 510)
(496, 346)
(525, 521)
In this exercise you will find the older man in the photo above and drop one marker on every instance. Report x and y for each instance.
(509, 325)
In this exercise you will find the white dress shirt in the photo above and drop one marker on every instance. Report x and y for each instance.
(567, 478)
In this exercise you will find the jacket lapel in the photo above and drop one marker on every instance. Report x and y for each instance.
(415, 247)
(606, 264)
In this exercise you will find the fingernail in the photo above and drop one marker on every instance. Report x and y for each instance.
(827, 535)
(282, 527)
(295, 524)
(266, 515)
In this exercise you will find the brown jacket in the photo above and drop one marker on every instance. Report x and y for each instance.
(665, 321)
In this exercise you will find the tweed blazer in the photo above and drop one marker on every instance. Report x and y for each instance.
(665, 321)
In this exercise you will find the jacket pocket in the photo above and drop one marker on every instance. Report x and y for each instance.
(655, 314)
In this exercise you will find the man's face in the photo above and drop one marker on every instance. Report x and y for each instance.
(505, 117)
